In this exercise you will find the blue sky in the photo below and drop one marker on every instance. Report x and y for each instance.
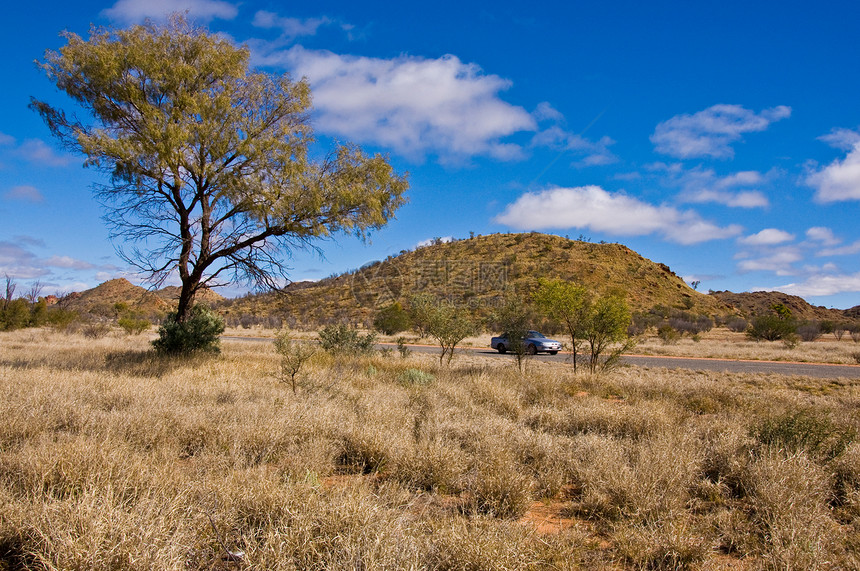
(722, 139)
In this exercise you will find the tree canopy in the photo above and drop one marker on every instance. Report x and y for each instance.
(210, 173)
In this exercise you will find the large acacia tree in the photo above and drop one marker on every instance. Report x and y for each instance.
(209, 168)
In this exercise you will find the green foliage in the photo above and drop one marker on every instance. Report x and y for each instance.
(566, 303)
(133, 323)
(771, 327)
(15, 314)
(667, 334)
(412, 377)
(207, 158)
(421, 308)
(197, 333)
(402, 348)
(449, 324)
(607, 324)
(392, 319)
(293, 354)
(343, 339)
(60, 318)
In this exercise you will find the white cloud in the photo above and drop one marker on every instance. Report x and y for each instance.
(778, 261)
(24, 193)
(410, 104)
(819, 285)
(6, 139)
(845, 139)
(767, 237)
(290, 27)
(136, 11)
(838, 181)
(19, 262)
(596, 209)
(823, 235)
(710, 133)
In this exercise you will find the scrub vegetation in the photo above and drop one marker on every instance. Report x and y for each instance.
(115, 457)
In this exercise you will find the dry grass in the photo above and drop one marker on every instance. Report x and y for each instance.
(112, 458)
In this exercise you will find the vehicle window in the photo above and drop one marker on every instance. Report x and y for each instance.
(536, 334)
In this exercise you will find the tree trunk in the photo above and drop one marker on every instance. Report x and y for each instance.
(186, 301)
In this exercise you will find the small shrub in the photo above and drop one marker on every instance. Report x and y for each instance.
(402, 348)
(343, 339)
(668, 335)
(133, 325)
(293, 356)
(803, 430)
(197, 333)
(737, 324)
(95, 330)
(809, 331)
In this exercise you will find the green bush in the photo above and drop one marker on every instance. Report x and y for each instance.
(804, 430)
(133, 324)
(197, 333)
(342, 338)
(771, 327)
(392, 319)
(416, 377)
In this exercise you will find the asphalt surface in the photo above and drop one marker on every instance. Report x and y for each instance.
(817, 370)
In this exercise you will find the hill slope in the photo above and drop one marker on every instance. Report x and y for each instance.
(759, 302)
(477, 272)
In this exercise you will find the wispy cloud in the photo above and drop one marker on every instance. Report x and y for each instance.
(136, 11)
(413, 105)
(614, 213)
(591, 152)
(845, 139)
(35, 151)
(847, 250)
(838, 181)
(24, 193)
(710, 133)
(700, 185)
(290, 28)
(779, 261)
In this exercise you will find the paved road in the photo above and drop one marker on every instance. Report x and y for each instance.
(818, 370)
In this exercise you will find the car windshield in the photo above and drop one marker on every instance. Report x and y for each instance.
(537, 334)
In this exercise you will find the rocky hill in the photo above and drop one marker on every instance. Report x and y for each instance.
(476, 273)
(758, 302)
(102, 299)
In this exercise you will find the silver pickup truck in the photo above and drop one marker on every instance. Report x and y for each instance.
(534, 341)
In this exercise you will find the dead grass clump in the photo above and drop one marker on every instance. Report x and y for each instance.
(647, 482)
(498, 487)
(432, 466)
(810, 430)
(788, 497)
(669, 544)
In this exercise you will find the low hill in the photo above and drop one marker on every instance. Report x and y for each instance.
(760, 302)
(476, 272)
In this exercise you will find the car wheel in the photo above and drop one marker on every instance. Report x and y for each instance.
(531, 349)
(502, 348)
(553, 352)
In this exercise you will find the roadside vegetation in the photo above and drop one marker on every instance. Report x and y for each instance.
(112, 456)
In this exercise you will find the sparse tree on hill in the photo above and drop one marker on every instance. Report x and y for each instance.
(210, 175)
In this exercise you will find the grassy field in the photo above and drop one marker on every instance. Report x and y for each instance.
(113, 458)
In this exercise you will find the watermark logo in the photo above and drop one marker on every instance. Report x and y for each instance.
(462, 281)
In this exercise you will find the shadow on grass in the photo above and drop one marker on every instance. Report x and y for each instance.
(135, 363)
